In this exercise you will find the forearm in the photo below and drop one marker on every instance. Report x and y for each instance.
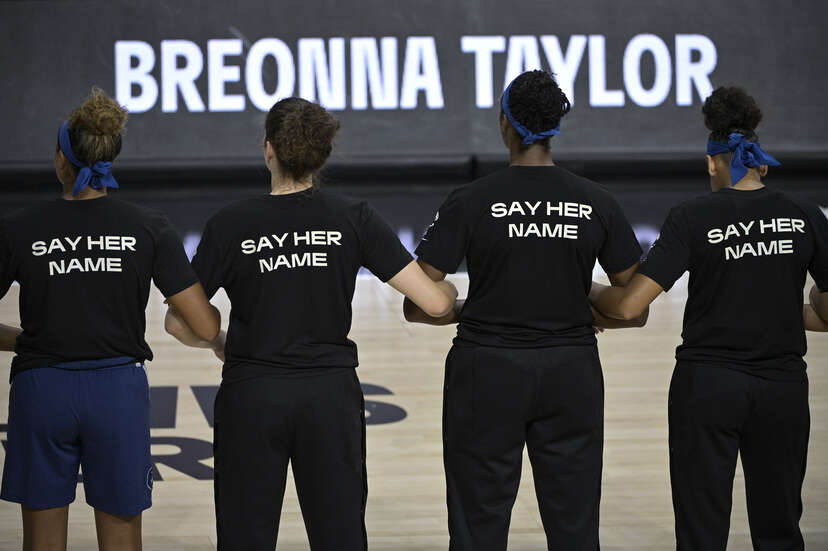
(178, 328)
(8, 337)
(607, 301)
(605, 322)
(415, 314)
(812, 320)
(450, 291)
(819, 303)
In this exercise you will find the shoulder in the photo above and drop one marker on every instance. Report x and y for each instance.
(152, 220)
(475, 191)
(338, 201)
(809, 208)
(695, 205)
(134, 209)
(581, 182)
(236, 211)
(32, 213)
(483, 185)
(589, 190)
(335, 205)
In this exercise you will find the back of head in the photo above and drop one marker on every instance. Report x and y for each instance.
(731, 109)
(301, 133)
(95, 128)
(537, 103)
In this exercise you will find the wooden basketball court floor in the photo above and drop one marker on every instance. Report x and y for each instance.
(406, 502)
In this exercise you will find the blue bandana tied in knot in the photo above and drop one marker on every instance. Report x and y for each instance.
(528, 136)
(97, 176)
(746, 155)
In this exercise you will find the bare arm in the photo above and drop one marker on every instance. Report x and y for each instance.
(8, 337)
(175, 325)
(812, 320)
(625, 303)
(819, 302)
(620, 279)
(415, 314)
(194, 318)
(434, 298)
(604, 322)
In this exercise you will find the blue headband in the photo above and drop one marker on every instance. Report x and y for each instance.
(97, 176)
(745, 154)
(528, 136)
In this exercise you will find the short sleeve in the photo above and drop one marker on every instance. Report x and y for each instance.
(171, 271)
(381, 250)
(621, 248)
(208, 261)
(818, 266)
(446, 240)
(6, 260)
(669, 256)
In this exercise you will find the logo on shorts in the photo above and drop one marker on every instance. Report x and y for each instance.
(149, 478)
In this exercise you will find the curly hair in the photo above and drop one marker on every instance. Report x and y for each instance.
(731, 109)
(95, 128)
(537, 102)
(302, 135)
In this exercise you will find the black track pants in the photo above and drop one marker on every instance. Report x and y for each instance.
(715, 414)
(498, 400)
(318, 424)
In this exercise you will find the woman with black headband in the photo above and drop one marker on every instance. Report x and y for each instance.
(289, 391)
(739, 386)
(79, 394)
(524, 369)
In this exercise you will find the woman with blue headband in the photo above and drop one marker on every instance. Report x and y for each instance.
(524, 369)
(739, 386)
(79, 394)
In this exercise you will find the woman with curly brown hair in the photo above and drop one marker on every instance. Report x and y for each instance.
(289, 390)
(79, 394)
(739, 386)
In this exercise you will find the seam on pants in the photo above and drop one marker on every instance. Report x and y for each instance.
(364, 466)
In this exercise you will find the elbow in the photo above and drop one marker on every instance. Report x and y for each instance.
(642, 319)
(208, 332)
(409, 310)
(439, 308)
(628, 312)
(171, 324)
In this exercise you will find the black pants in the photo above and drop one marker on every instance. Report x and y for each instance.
(498, 400)
(715, 414)
(318, 424)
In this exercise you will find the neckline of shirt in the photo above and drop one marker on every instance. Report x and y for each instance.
(756, 191)
(94, 200)
(301, 193)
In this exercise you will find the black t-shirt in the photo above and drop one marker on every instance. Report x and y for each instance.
(530, 236)
(289, 265)
(748, 253)
(84, 269)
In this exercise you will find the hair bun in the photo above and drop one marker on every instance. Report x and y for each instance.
(95, 128)
(99, 115)
(731, 109)
(302, 134)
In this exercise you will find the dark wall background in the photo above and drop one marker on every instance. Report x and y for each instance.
(53, 52)
(406, 160)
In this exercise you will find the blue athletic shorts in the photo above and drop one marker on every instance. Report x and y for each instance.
(80, 414)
